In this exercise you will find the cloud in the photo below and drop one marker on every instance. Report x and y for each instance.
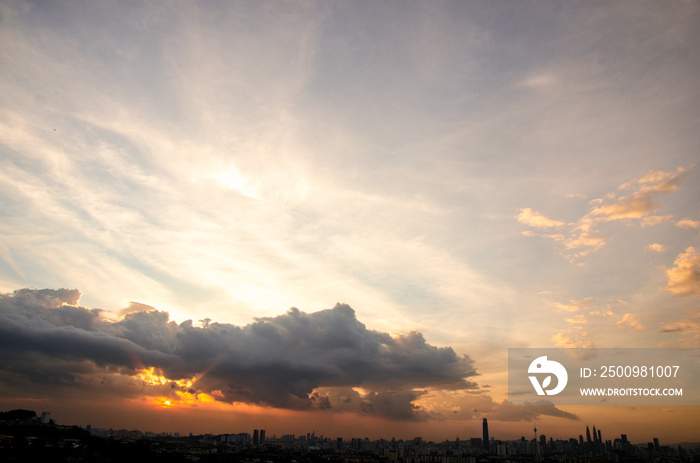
(630, 207)
(535, 219)
(688, 223)
(398, 405)
(631, 320)
(657, 247)
(136, 307)
(277, 361)
(652, 220)
(656, 181)
(509, 412)
(605, 313)
(577, 341)
(636, 204)
(573, 305)
(49, 298)
(326, 361)
(684, 277)
(688, 325)
(470, 404)
(577, 320)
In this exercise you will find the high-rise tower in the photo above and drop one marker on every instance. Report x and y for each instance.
(485, 427)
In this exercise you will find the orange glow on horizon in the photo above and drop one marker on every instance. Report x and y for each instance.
(203, 401)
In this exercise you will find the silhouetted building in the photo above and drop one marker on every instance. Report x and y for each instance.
(262, 436)
(588, 435)
(485, 439)
(45, 417)
(256, 437)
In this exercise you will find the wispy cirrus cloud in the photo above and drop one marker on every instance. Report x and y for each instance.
(633, 201)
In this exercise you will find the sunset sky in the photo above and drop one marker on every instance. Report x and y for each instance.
(338, 216)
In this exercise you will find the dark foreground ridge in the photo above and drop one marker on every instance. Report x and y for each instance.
(27, 437)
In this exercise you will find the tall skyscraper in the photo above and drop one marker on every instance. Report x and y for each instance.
(595, 435)
(256, 437)
(262, 436)
(485, 441)
(588, 435)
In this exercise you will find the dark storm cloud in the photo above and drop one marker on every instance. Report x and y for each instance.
(276, 361)
(39, 322)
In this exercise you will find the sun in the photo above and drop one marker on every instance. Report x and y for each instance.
(163, 402)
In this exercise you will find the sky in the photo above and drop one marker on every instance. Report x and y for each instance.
(338, 216)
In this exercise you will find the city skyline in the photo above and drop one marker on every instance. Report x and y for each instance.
(260, 437)
(343, 214)
(26, 435)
